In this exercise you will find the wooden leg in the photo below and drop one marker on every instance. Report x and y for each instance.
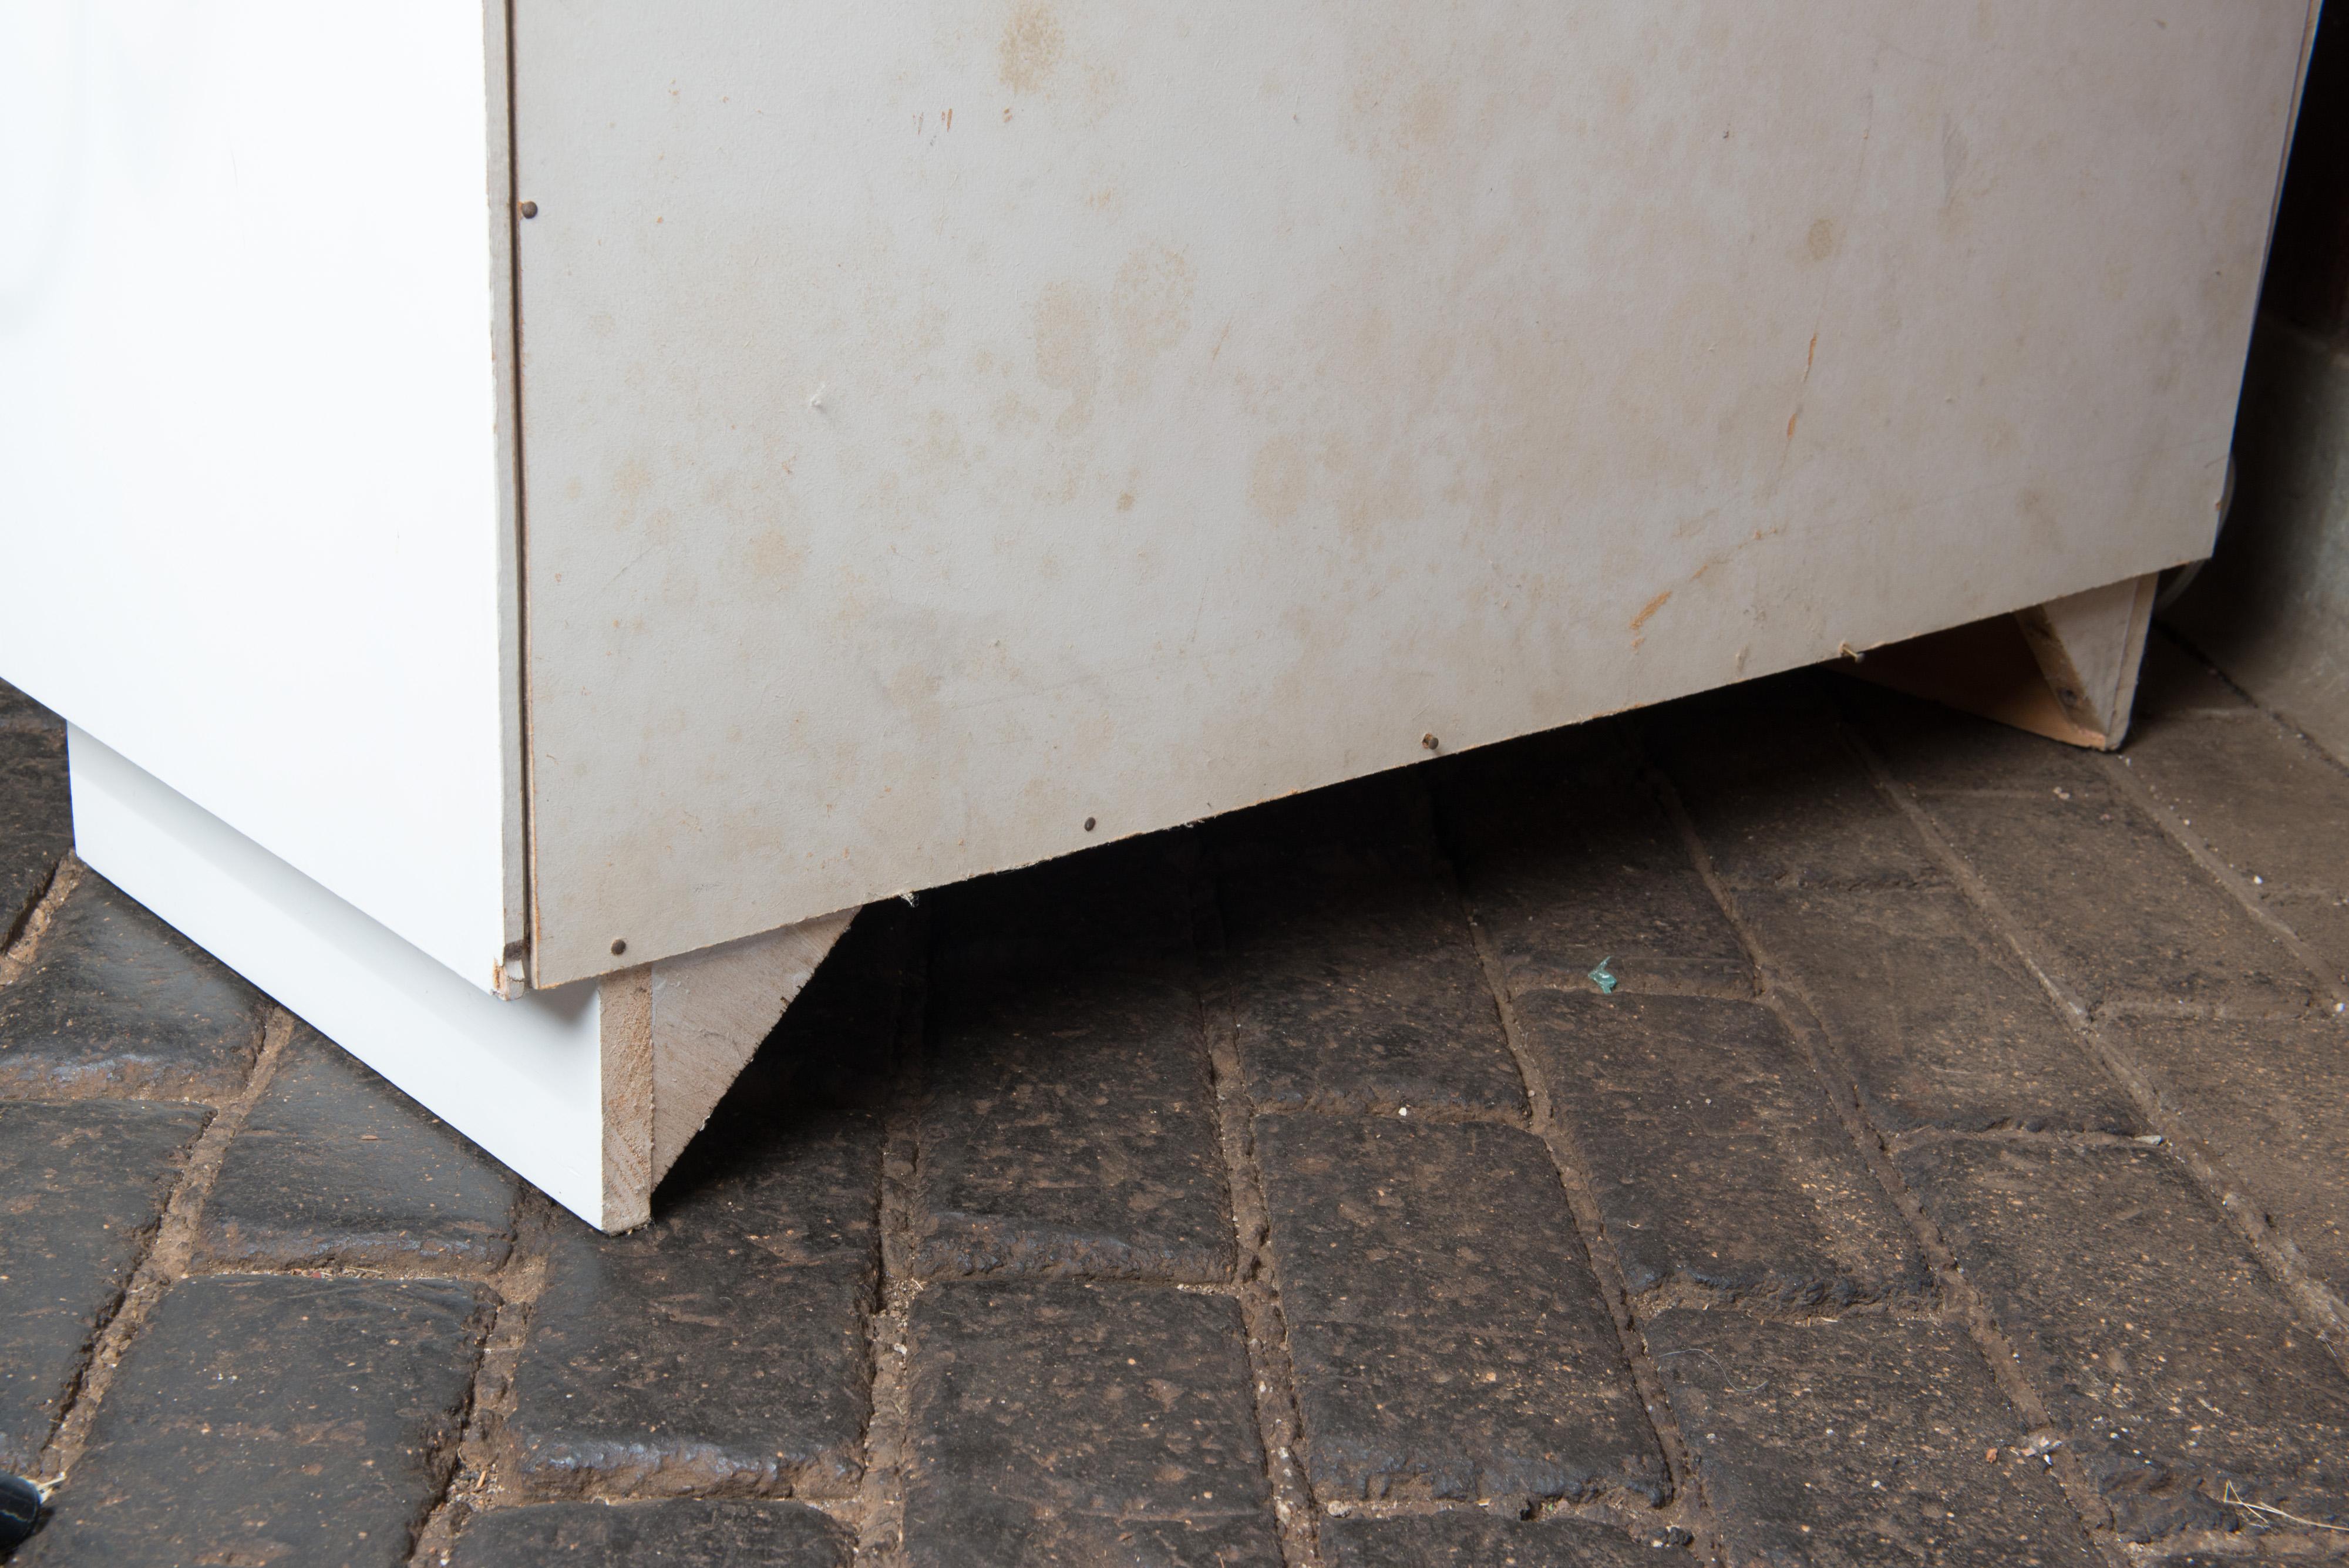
(588, 1091)
(675, 1035)
(2066, 669)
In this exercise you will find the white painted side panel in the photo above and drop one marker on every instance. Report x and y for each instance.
(521, 1078)
(951, 425)
(249, 492)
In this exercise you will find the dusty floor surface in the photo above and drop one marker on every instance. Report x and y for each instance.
(1948, 1164)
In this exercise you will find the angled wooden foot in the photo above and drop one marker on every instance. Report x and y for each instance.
(675, 1035)
(2066, 669)
(589, 1091)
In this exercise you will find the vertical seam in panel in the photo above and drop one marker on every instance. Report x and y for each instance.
(521, 506)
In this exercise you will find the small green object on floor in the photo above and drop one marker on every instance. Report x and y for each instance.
(1604, 977)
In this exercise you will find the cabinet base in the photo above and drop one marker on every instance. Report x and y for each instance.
(588, 1091)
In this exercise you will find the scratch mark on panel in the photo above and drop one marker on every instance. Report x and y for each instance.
(631, 564)
(1652, 607)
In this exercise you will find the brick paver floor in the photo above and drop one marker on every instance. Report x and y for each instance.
(1948, 1164)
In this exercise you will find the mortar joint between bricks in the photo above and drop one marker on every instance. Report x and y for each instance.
(167, 1256)
(2327, 1315)
(2040, 1137)
(876, 1510)
(1954, 1295)
(1686, 1507)
(2226, 875)
(1991, 1338)
(22, 948)
(1771, 1304)
(475, 1478)
(469, 1271)
(1254, 1284)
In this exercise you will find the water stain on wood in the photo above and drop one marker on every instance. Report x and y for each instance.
(1032, 49)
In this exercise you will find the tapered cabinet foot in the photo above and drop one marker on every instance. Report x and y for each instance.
(2066, 669)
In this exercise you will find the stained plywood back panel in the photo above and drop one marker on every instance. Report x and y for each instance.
(954, 440)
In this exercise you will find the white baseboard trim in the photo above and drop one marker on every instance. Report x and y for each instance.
(521, 1078)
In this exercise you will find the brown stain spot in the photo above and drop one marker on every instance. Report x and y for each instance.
(1821, 242)
(1277, 480)
(775, 558)
(631, 480)
(1652, 607)
(2043, 526)
(939, 449)
(1812, 358)
(1068, 349)
(1031, 48)
(1125, 501)
(1151, 301)
(1427, 114)
(1790, 420)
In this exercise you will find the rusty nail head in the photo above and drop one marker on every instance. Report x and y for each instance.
(1088, 824)
(619, 946)
(1428, 741)
(530, 209)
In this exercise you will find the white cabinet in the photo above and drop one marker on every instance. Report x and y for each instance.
(511, 498)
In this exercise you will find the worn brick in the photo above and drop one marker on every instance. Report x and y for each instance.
(1569, 858)
(1868, 1440)
(2176, 1366)
(679, 1533)
(1939, 1024)
(81, 1187)
(1070, 1125)
(116, 1003)
(1353, 988)
(2117, 910)
(334, 1165)
(2251, 794)
(723, 1344)
(1777, 796)
(1464, 1538)
(2272, 1097)
(35, 812)
(273, 1419)
(1448, 1335)
(1715, 1159)
(1060, 1421)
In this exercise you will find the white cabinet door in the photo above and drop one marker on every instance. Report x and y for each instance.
(252, 484)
